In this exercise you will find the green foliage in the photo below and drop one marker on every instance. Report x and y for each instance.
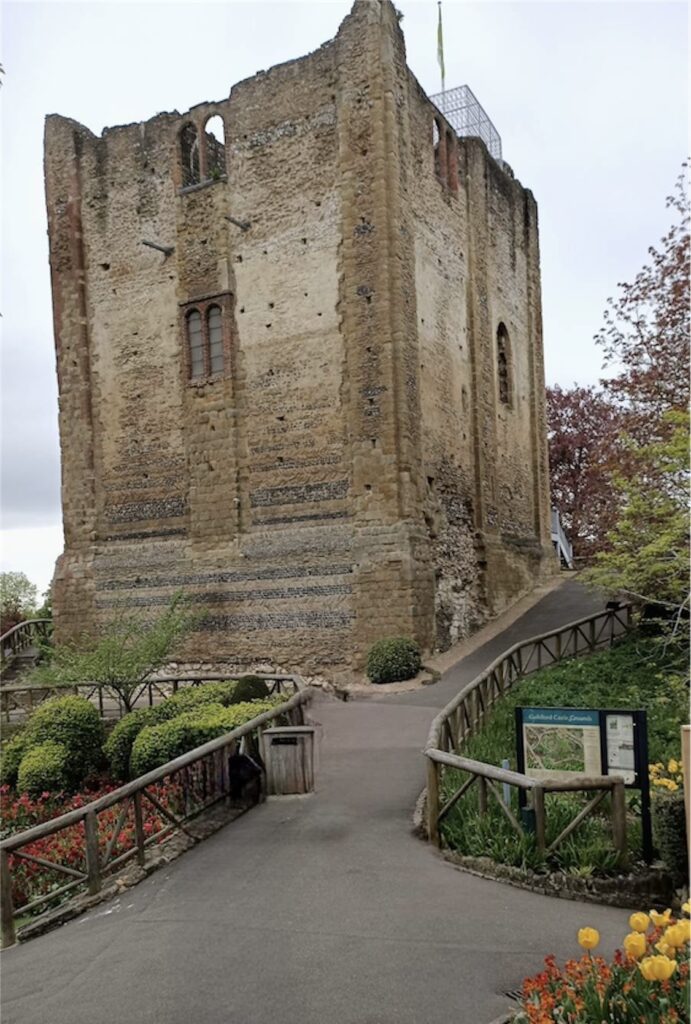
(13, 751)
(118, 747)
(124, 653)
(648, 552)
(250, 688)
(74, 723)
(18, 596)
(157, 744)
(45, 767)
(393, 659)
(635, 674)
(669, 832)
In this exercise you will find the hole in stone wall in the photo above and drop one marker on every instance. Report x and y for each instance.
(215, 142)
(189, 156)
(105, 266)
(238, 259)
(271, 305)
(368, 487)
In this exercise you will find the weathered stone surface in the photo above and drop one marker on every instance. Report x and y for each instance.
(354, 450)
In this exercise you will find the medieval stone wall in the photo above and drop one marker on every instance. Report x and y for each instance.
(348, 474)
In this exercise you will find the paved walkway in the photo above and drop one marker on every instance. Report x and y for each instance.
(315, 910)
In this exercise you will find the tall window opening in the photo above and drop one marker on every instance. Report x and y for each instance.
(436, 143)
(504, 365)
(195, 340)
(215, 331)
(189, 156)
(215, 143)
(451, 161)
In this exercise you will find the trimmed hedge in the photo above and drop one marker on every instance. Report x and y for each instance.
(669, 832)
(157, 744)
(250, 688)
(12, 753)
(45, 767)
(393, 659)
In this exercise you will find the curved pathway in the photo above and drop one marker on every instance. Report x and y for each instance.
(316, 910)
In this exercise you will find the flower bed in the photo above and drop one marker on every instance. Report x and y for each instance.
(67, 847)
(646, 983)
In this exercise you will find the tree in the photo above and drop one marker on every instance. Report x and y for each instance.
(649, 545)
(583, 429)
(17, 599)
(124, 653)
(646, 331)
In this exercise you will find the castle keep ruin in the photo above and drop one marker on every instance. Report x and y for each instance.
(318, 406)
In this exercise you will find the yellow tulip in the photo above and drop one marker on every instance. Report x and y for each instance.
(677, 934)
(657, 968)
(639, 922)
(635, 945)
(588, 938)
(686, 907)
(673, 767)
(663, 948)
(661, 920)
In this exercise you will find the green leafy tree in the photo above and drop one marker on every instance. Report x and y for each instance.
(124, 652)
(648, 554)
(17, 599)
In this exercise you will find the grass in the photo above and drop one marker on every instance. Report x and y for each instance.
(638, 673)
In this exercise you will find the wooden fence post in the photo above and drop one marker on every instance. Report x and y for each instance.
(9, 936)
(539, 809)
(619, 818)
(139, 833)
(93, 867)
(433, 770)
(686, 763)
(482, 794)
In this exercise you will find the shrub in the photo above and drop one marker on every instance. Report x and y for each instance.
(75, 723)
(393, 659)
(45, 767)
(669, 831)
(157, 744)
(250, 688)
(118, 747)
(12, 753)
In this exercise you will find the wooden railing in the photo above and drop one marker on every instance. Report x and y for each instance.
(148, 810)
(22, 698)
(465, 715)
(23, 636)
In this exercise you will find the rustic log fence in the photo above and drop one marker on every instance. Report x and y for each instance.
(177, 792)
(19, 699)
(465, 715)
(23, 637)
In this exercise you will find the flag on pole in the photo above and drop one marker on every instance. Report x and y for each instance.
(440, 50)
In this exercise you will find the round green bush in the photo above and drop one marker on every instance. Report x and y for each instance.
(12, 753)
(393, 659)
(45, 767)
(119, 745)
(75, 723)
(250, 688)
(669, 832)
(157, 744)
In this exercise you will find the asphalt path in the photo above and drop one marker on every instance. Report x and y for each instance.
(322, 909)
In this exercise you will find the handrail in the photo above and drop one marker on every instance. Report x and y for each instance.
(219, 785)
(21, 636)
(465, 714)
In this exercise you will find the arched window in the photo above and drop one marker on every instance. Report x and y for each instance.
(189, 156)
(214, 140)
(214, 323)
(195, 340)
(504, 365)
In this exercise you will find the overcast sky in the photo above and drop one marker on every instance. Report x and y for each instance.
(589, 98)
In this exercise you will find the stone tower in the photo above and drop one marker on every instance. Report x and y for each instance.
(319, 407)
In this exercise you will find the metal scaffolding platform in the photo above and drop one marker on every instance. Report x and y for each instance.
(467, 116)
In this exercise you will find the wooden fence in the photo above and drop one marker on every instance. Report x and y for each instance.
(22, 637)
(148, 808)
(19, 699)
(465, 715)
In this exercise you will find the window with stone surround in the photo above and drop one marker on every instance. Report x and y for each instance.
(214, 141)
(206, 326)
(504, 365)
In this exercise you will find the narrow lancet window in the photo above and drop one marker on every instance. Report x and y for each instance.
(189, 156)
(504, 365)
(214, 140)
(195, 340)
(215, 327)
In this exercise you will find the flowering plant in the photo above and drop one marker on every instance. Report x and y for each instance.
(646, 983)
(30, 879)
(669, 776)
